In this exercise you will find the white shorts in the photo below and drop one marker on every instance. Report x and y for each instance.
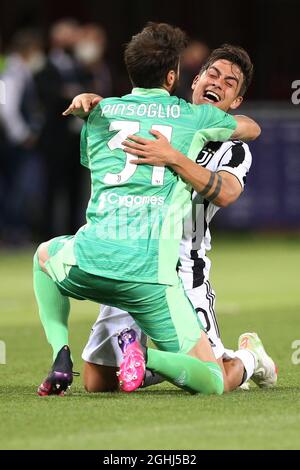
(102, 347)
(203, 299)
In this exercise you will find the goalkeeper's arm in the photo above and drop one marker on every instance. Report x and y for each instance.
(82, 105)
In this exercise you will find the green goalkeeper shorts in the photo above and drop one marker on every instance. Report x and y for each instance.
(164, 313)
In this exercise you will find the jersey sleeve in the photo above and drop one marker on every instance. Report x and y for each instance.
(84, 159)
(84, 145)
(215, 124)
(237, 160)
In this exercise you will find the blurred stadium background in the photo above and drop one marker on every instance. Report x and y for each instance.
(53, 50)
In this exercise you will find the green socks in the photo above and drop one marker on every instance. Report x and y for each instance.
(54, 308)
(187, 372)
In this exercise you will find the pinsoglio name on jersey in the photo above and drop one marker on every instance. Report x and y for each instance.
(148, 110)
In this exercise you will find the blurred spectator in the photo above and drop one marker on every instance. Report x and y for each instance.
(60, 80)
(192, 60)
(64, 36)
(21, 107)
(20, 121)
(89, 51)
(44, 196)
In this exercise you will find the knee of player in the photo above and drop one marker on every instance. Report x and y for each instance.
(42, 254)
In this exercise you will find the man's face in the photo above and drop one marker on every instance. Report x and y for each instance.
(219, 85)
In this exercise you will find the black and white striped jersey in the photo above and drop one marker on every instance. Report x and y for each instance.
(234, 157)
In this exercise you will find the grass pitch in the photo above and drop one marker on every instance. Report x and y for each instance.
(257, 285)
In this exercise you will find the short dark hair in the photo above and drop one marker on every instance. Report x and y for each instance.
(238, 56)
(152, 53)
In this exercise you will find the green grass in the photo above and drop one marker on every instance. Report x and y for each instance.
(257, 284)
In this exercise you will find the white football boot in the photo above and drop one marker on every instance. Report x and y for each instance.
(265, 372)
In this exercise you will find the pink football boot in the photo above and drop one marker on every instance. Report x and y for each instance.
(133, 366)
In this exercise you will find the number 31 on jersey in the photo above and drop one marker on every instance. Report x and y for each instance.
(125, 129)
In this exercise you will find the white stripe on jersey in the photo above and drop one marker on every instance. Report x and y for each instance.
(234, 157)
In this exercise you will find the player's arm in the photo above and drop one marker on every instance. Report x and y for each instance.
(247, 129)
(220, 187)
(216, 125)
(82, 105)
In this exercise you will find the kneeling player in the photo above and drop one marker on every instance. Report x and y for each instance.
(103, 356)
(222, 82)
(136, 274)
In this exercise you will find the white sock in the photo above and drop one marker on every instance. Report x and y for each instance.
(248, 359)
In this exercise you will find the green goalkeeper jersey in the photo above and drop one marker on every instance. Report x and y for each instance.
(135, 213)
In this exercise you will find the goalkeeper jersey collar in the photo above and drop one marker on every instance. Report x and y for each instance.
(149, 92)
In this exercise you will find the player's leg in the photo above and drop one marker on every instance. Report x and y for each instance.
(250, 361)
(265, 371)
(162, 312)
(102, 354)
(98, 378)
(101, 379)
(72, 281)
(52, 290)
(203, 300)
(234, 368)
(233, 373)
(185, 356)
(53, 307)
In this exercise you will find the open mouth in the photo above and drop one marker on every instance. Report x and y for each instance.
(211, 96)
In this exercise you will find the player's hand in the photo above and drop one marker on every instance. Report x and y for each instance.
(158, 152)
(82, 105)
